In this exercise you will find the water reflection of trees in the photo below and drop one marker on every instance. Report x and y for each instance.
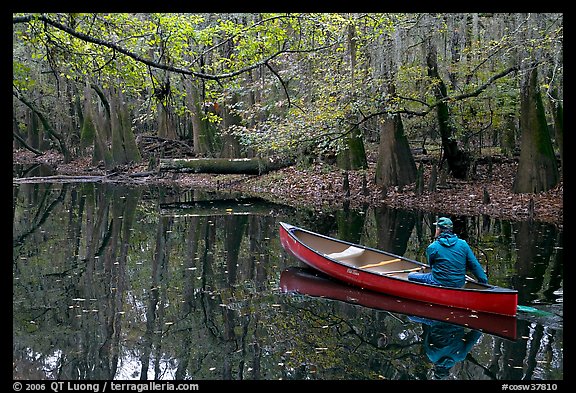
(105, 287)
(79, 277)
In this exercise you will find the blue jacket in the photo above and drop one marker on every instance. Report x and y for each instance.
(450, 258)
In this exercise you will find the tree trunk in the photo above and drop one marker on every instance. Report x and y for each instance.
(33, 129)
(87, 131)
(93, 132)
(508, 136)
(203, 132)
(124, 147)
(555, 104)
(101, 149)
(354, 155)
(419, 188)
(537, 168)
(165, 124)
(105, 120)
(558, 116)
(230, 145)
(458, 160)
(559, 127)
(395, 166)
(73, 125)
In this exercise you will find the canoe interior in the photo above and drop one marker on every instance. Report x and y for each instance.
(367, 259)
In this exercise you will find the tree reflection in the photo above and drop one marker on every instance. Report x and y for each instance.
(109, 286)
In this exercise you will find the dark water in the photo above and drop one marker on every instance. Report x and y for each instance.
(125, 283)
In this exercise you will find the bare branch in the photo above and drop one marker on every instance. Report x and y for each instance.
(480, 89)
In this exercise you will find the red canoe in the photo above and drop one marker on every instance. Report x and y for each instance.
(309, 282)
(385, 272)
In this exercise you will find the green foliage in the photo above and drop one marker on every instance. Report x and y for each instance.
(21, 74)
(304, 82)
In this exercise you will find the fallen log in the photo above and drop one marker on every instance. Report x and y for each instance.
(110, 178)
(248, 166)
(59, 179)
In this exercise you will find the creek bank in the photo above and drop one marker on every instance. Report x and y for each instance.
(321, 186)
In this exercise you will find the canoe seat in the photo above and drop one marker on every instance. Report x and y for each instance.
(382, 263)
(350, 252)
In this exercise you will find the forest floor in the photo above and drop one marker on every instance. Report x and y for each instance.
(320, 186)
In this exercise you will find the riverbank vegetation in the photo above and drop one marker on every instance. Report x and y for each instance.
(430, 111)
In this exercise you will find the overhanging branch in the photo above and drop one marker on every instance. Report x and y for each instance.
(135, 56)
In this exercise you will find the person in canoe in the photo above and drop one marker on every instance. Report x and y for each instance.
(449, 258)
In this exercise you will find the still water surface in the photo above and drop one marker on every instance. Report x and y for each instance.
(112, 282)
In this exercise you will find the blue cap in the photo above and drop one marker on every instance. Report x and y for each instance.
(444, 222)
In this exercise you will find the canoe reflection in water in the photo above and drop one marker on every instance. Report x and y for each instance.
(445, 344)
(310, 282)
